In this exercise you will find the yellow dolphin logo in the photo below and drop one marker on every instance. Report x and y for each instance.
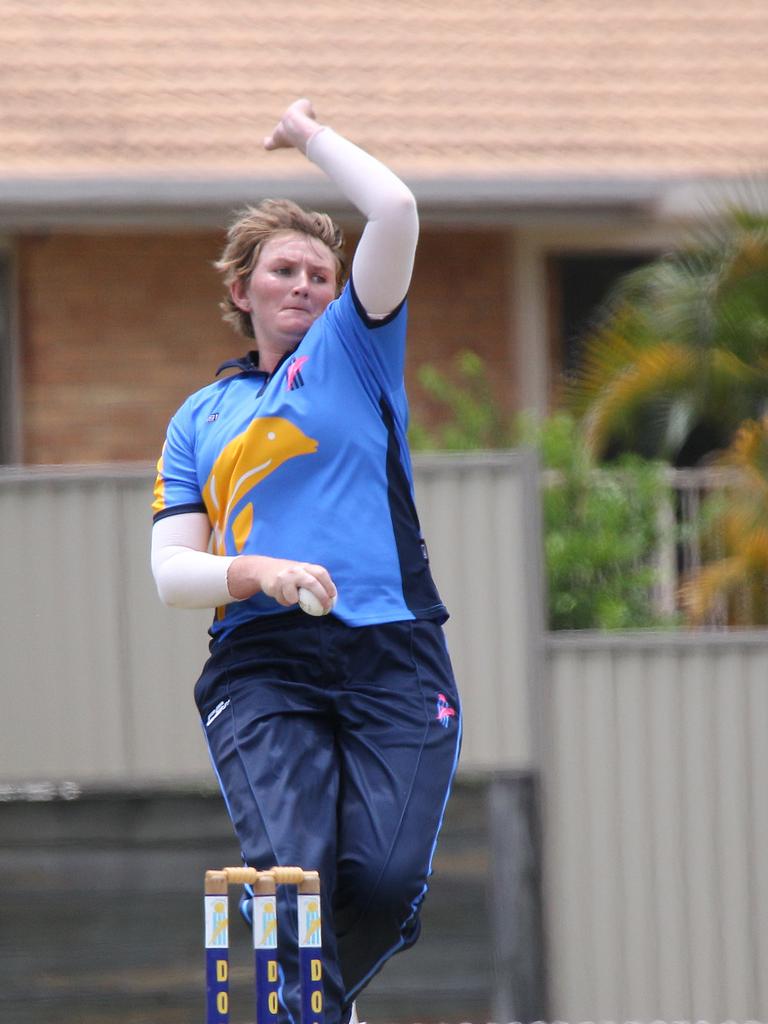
(262, 448)
(269, 927)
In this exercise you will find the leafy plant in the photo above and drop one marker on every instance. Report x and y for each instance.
(472, 418)
(600, 527)
(601, 532)
(682, 344)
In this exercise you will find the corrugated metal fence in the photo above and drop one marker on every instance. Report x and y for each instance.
(97, 674)
(656, 826)
(652, 749)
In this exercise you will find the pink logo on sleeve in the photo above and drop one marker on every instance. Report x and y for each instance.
(294, 378)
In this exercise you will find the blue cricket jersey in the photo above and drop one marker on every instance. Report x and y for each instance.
(311, 464)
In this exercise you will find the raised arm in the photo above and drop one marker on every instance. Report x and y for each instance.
(383, 261)
(186, 574)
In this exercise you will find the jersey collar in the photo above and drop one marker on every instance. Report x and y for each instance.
(249, 363)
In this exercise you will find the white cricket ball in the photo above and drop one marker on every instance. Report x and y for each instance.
(310, 604)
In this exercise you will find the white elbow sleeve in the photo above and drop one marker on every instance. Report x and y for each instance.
(186, 575)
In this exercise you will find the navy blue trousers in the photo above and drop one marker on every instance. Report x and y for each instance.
(335, 748)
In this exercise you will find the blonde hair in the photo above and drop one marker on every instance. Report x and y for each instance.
(254, 226)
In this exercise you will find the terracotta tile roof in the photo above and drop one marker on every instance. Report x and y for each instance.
(489, 87)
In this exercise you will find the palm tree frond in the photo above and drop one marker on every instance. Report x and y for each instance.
(662, 370)
(701, 592)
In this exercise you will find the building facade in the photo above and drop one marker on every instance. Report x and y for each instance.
(551, 147)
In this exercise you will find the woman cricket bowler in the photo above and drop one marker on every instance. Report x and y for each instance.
(334, 737)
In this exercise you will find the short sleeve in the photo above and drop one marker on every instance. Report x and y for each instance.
(380, 344)
(177, 488)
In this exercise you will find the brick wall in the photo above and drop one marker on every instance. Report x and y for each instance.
(116, 330)
(459, 300)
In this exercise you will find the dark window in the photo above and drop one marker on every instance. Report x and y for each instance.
(580, 284)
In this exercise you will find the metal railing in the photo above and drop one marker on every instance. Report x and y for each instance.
(685, 545)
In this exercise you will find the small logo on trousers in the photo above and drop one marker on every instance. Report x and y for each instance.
(444, 711)
(213, 715)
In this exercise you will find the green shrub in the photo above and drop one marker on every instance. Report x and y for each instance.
(600, 525)
(601, 532)
(471, 417)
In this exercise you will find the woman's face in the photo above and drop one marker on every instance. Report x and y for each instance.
(290, 286)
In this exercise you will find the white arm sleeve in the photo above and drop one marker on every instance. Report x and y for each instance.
(187, 576)
(383, 261)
